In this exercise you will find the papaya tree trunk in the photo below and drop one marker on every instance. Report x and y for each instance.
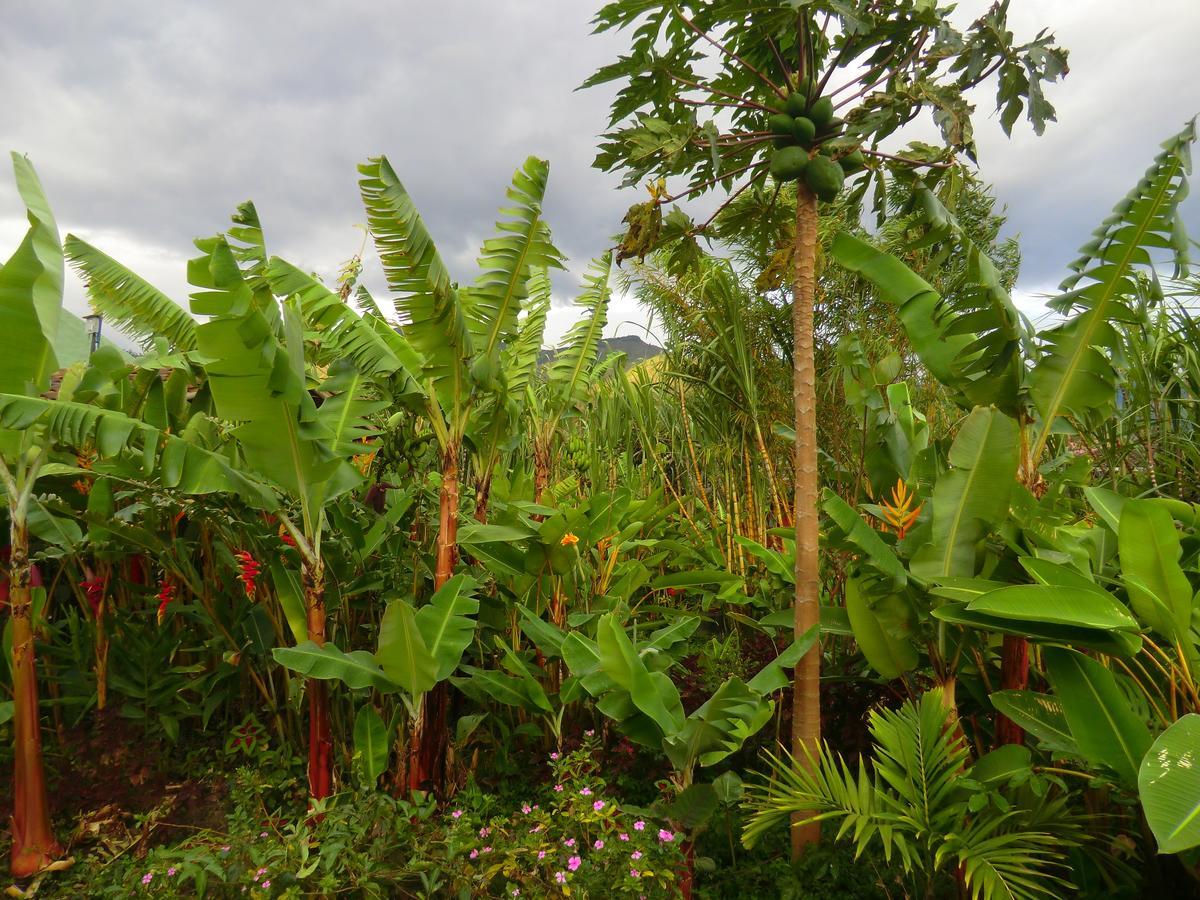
(320, 734)
(806, 696)
(428, 737)
(33, 843)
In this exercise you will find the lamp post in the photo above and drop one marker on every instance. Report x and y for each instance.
(93, 322)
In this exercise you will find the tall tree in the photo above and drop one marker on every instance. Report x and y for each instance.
(719, 93)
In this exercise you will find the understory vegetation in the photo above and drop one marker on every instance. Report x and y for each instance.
(867, 586)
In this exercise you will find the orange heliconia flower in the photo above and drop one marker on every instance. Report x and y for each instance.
(898, 512)
(568, 539)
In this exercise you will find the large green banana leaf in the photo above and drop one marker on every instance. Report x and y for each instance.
(1169, 785)
(1159, 591)
(1074, 376)
(31, 290)
(972, 497)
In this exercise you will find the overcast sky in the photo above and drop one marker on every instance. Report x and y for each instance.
(149, 122)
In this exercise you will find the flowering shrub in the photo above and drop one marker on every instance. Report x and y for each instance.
(574, 841)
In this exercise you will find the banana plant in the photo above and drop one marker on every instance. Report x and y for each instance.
(255, 364)
(461, 334)
(32, 429)
(973, 342)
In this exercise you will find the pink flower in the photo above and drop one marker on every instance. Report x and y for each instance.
(639, 825)
(599, 845)
(665, 836)
(457, 814)
(634, 873)
(486, 850)
(262, 871)
(554, 755)
(225, 849)
(147, 878)
(635, 855)
(474, 854)
(541, 854)
(558, 788)
(526, 808)
(516, 892)
(266, 884)
(263, 835)
(484, 832)
(569, 842)
(574, 863)
(560, 877)
(586, 792)
(589, 733)
(171, 871)
(623, 836)
(598, 805)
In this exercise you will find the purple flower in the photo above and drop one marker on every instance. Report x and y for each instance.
(554, 755)
(635, 855)
(147, 878)
(560, 877)
(598, 805)
(474, 854)
(171, 871)
(457, 814)
(262, 871)
(558, 788)
(266, 884)
(569, 842)
(526, 808)
(574, 863)
(634, 873)
(586, 792)
(623, 836)
(639, 825)
(599, 845)
(541, 854)
(665, 836)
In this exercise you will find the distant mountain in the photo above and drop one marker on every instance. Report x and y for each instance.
(631, 345)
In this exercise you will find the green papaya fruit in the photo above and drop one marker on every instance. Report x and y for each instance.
(781, 123)
(796, 104)
(853, 162)
(788, 164)
(821, 113)
(804, 131)
(824, 177)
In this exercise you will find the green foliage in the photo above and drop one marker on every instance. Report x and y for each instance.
(914, 803)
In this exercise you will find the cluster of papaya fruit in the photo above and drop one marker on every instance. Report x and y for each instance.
(803, 131)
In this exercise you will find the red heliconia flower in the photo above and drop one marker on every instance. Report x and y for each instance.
(248, 571)
(166, 593)
(93, 588)
(285, 536)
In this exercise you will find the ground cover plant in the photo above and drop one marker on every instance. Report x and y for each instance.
(865, 587)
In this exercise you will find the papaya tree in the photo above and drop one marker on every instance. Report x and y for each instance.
(722, 94)
(461, 334)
